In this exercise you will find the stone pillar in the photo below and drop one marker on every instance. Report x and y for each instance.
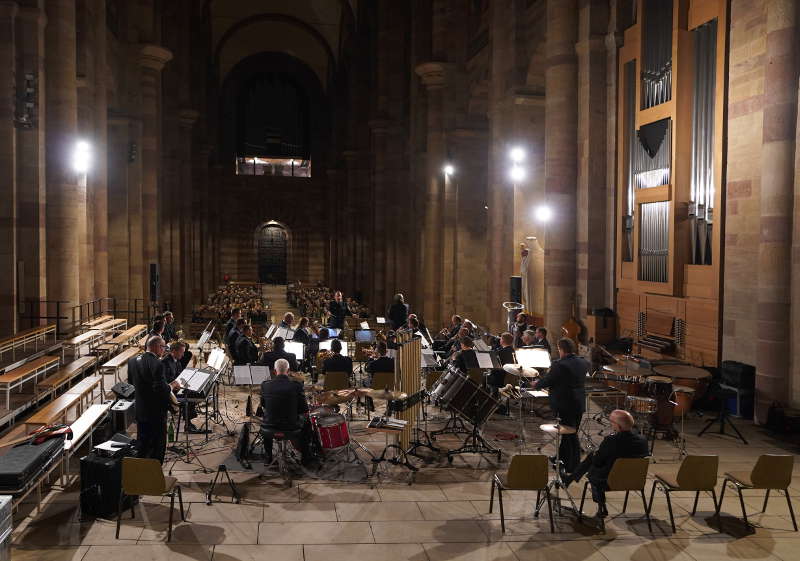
(8, 180)
(207, 211)
(335, 228)
(591, 158)
(777, 186)
(119, 216)
(560, 161)
(100, 164)
(379, 221)
(66, 198)
(31, 159)
(186, 194)
(152, 59)
(348, 271)
(434, 77)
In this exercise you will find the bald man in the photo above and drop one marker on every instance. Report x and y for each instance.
(622, 443)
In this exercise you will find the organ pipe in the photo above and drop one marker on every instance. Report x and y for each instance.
(657, 53)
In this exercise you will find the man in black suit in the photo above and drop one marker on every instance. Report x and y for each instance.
(565, 380)
(288, 321)
(170, 334)
(466, 358)
(236, 314)
(337, 362)
(233, 336)
(505, 355)
(520, 327)
(246, 351)
(152, 400)
(540, 339)
(269, 359)
(381, 364)
(173, 366)
(156, 331)
(622, 443)
(284, 409)
(397, 313)
(338, 310)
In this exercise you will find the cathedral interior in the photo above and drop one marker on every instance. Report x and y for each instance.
(623, 173)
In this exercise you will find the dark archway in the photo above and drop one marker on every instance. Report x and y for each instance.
(272, 247)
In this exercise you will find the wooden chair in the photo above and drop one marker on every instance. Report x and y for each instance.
(144, 476)
(697, 473)
(382, 380)
(527, 472)
(627, 474)
(772, 471)
(336, 381)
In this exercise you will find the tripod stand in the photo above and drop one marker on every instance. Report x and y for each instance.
(186, 451)
(557, 483)
(722, 418)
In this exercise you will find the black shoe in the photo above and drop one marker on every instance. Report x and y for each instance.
(602, 511)
(566, 478)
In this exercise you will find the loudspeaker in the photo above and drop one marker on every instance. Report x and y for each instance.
(123, 390)
(155, 283)
(515, 289)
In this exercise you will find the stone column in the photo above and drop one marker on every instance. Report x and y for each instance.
(8, 180)
(777, 199)
(100, 164)
(186, 194)
(591, 158)
(31, 158)
(119, 216)
(66, 198)
(152, 59)
(347, 270)
(434, 77)
(379, 219)
(560, 160)
(207, 211)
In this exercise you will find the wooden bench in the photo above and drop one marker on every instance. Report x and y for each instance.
(86, 388)
(65, 374)
(30, 371)
(114, 365)
(83, 427)
(87, 338)
(125, 337)
(96, 321)
(21, 339)
(112, 324)
(54, 412)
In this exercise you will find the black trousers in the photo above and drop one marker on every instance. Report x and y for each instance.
(151, 437)
(570, 449)
(599, 485)
(301, 443)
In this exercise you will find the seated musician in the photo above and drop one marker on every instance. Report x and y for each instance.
(285, 407)
(622, 443)
(540, 339)
(278, 352)
(411, 326)
(445, 336)
(454, 345)
(173, 366)
(287, 321)
(528, 337)
(466, 358)
(505, 355)
(565, 380)
(420, 326)
(519, 328)
(337, 362)
(232, 337)
(382, 363)
(170, 334)
(338, 310)
(156, 331)
(303, 333)
(246, 350)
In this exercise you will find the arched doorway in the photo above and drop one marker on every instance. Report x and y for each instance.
(272, 247)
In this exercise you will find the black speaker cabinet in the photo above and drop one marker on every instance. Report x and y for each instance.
(515, 289)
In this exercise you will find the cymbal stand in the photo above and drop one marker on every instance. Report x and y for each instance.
(421, 437)
(556, 484)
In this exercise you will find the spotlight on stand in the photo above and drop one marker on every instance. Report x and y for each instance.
(82, 157)
(517, 154)
(517, 173)
(448, 169)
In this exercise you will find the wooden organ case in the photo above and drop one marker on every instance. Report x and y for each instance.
(671, 108)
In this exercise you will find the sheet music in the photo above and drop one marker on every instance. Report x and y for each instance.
(242, 376)
(259, 374)
(270, 331)
(480, 345)
(206, 335)
(533, 358)
(364, 325)
(284, 332)
(380, 320)
(296, 348)
(422, 340)
(197, 381)
(484, 360)
(216, 359)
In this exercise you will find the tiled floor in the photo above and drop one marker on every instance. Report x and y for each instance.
(443, 516)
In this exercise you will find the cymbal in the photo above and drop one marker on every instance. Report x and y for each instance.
(383, 395)
(520, 370)
(337, 397)
(551, 428)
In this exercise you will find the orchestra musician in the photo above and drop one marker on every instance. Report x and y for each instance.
(173, 366)
(156, 331)
(453, 345)
(152, 400)
(338, 310)
(170, 335)
(397, 312)
(565, 381)
(505, 354)
(287, 321)
(540, 339)
(521, 325)
(285, 407)
(236, 313)
(337, 362)
(622, 443)
(278, 352)
(466, 357)
(233, 336)
(303, 333)
(246, 350)
(381, 363)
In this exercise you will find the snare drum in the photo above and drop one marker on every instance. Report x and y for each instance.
(332, 430)
(640, 405)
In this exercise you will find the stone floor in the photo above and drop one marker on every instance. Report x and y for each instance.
(443, 516)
